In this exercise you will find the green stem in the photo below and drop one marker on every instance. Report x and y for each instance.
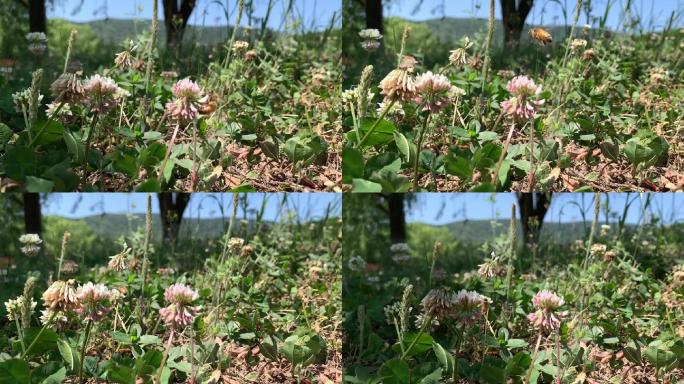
(87, 149)
(20, 334)
(168, 153)
(534, 357)
(375, 125)
(418, 149)
(426, 322)
(166, 355)
(89, 325)
(42, 128)
(40, 333)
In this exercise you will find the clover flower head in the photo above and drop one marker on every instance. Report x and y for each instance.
(546, 318)
(371, 39)
(577, 44)
(179, 313)
(94, 301)
(235, 243)
(240, 45)
(61, 296)
(438, 303)
(188, 95)
(395, 110)
(491, 267)
(69, 267)
(398, 85)
(469, 306)
(521, 106)
(67, 88)
(37, 42)
(31, 242)
(433, 91)
(102, 93)
(357, 263)
(118, 262)
(50, 317)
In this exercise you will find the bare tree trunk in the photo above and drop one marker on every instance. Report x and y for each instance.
(176, 19)
(33, 218)
(37, 16)
(514, 17)
(374, 15)
(171, 207)
(533, 208)
(397, 218)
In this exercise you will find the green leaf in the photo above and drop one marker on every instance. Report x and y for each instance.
(395, 372)
(421, 343)
(516, 343)
(149, 339)
(152, 135)
(246, 187)
(76, 148)
(445, 358)
(14, 371)
(151, 185)
(5, 135)
(659, 355)
(66, 352)
(121, 374)
(270, 148)
(269, 348)
(352, 164)
(383, 132)
(301, 350)
(20, 162)
(633, 352)
(46, 342)
(402, 144)
(365, 186)
(35, 184)
(435, 377)
(459, 166)
(51, 133)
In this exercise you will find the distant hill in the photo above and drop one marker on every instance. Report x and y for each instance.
(478, 231)
(115, 31)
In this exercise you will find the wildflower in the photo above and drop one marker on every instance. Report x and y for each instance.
(14, 307)
(609, 256)
(432, 91)
(521, 106)
(102, 93)
(165, 271)
(31, 243)
(588, 54)
(235, 244)
(67, 88)
(37, 42)
(56, 316)
(65, 111)
(240, 46)
(371, 39)
(69, 267)
(400, 252)
(578, 44)
(123, 60)
(399, 83)
(179, 313)
(185, 106)
(598, 250)
(246, 251)
(94, 301)
(546, 318)
(439, 274)
(468, 306)
(60, 296)
(459, 56)
(506, 73)
(22, 100)
(396, 109)
(118, 261)
(251, 55)
(356, 263)
(438, 303)
(605, 229)
(491, 267)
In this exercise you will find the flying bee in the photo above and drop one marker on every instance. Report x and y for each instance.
(208, 103)
(541, 35)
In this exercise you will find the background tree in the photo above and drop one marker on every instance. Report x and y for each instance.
(33, 217)
(374, 18)
(176, 17)
(533, 208)
(37, 16)
(397, 217)
(514, 13)
(171, 207)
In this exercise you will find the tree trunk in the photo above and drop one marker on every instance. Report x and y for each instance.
(37, 16)
(533, 208)
(397, 218)
(514, 17)
(176, 19)
(33, 218)
(374, 15)
(171, 207)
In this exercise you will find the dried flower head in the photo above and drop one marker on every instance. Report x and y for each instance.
(438, 303)
(432, 91)
(235, 244)
(168, 75)
(399, 84)
(67, 88)
(31, 242)
(491, 267)
(522, 105)
(459, 56)
(251, 55)
(186, 104)
(61, 296)
(102, 93)
(247, 251)
(94, 301)
(469, 306)
(588, 54)
(577, 44)
(240, 45)
(118, 262)
(546, 318)
(69, 267)
(179, 313)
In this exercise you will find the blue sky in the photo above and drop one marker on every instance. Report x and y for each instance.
(543, 12)
(207, 12)
(203, 205)
(442, 208)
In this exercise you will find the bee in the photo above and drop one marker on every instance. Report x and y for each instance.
(208, 103)
(541, 35)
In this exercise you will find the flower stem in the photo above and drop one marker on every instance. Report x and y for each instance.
(89, 325)
(20, 334)
(166, 355)
(530, 176)
(375, 125)
(87, 149)
(426, 322)
(168, 152)
(40, 333)
(534, 357)
(503, 155)
(418, 149)
(42, 128)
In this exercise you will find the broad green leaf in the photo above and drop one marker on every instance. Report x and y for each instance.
(421, 343)
(395, 372)
(14, 371)
(352, 164)
(20, 162)
(445, 358)
(365, 186)
(35, 184)
(402, 144)
(383, 132)
(66, 352)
